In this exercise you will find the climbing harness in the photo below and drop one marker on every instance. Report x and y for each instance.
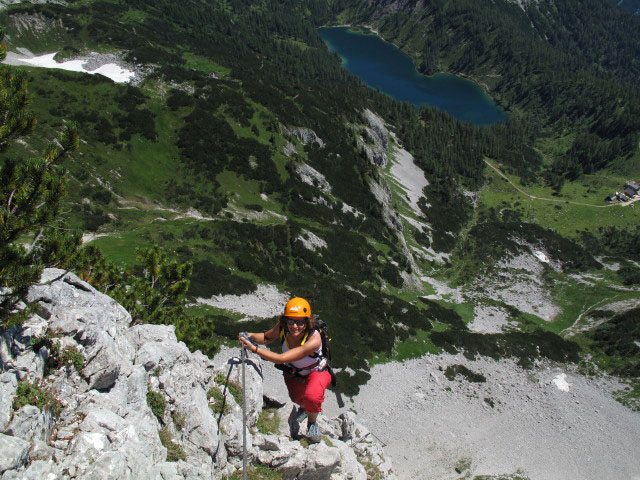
(323, 359)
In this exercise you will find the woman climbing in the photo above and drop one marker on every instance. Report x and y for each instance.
(305, 369)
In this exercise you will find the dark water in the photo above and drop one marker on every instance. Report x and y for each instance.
(381, 65)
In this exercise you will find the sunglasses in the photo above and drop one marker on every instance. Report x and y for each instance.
(292, 321)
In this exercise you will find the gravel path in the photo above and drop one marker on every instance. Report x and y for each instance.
(549, 423)
(265, 302)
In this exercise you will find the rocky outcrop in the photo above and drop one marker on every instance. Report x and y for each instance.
(143, 406)
(311, 176)
(6, 3)
(305, 135)
(373, 139)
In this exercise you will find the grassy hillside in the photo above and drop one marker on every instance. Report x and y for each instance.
(200, 157)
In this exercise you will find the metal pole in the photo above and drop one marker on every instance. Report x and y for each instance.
(244, 417)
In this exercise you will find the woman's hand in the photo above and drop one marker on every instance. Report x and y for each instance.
(245, 339)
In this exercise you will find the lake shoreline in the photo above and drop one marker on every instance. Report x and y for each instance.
(471, 78)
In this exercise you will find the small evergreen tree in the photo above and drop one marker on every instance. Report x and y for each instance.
(154, 291)
(31, 236)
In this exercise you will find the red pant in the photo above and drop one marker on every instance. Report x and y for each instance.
(308, 392)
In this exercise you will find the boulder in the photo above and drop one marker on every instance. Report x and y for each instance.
(197, 429)
(349, 467)
(317, 462)
(13, 452)
(41, 451)
(29, 423)
(102, 369)
(8, 385)
(40, 470)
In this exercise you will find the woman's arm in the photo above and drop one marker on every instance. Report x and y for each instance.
(290, 355)
(266, 337)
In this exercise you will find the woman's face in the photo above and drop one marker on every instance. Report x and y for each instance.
(296, 325)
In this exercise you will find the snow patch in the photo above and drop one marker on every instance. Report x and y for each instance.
(541, 256)
(561, 382)
(111, 70)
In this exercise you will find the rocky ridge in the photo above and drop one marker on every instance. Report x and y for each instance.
(141, 399)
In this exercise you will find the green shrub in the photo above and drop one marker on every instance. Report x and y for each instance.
(179, 420)
(268, 421)
(629, 274)
(36, 393)
(72, 357)
(463, 464)
(257, 472)
(233, 387)
(373, 472)
(174, 451)
(219, 404)
(452, 371)
(156, 402)
(255, 207)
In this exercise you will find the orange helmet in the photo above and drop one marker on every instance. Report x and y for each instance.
(297, 307)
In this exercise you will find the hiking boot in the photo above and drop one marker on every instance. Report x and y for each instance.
(300, 415)
(313, 435)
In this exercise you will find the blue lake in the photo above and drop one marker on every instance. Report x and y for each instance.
(383, 66)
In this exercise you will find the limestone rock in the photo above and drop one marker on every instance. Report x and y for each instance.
(376, 123)
(311, 176)
(41, 470)
(102, 370)
(344, 426)
(289, 149)
(29, 361)
(106, 428)
(199, 433)
(317, 462)
(372, 138)
(306, 136)
(254, 389)
(29, 423)
(349, 467)
(41, 451)
(157, 346)
(13, 452)
(8, 385)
